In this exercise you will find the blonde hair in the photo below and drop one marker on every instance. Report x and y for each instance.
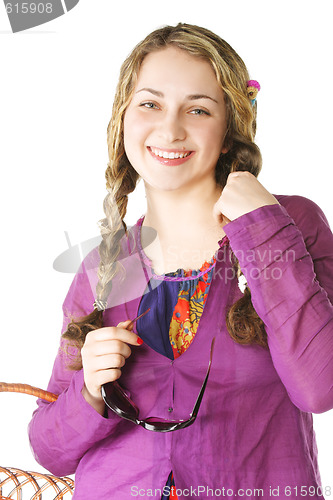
(242, 321)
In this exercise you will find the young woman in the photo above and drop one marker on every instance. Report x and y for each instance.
(230, 261)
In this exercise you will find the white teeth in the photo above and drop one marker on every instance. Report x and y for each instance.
(166, 155)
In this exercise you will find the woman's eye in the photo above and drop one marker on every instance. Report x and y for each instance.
(199, 112)
(148, 105)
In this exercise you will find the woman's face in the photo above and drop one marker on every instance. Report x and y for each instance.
(175, 124)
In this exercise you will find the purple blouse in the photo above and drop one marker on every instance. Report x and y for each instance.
(254, 431)
(176, 304)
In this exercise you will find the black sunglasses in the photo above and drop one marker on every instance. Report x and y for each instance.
(117, 400)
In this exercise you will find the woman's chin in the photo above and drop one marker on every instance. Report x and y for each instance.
(165, 185)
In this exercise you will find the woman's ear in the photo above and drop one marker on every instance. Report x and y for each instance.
(227, 143)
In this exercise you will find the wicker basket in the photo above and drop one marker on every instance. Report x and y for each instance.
(16, 484)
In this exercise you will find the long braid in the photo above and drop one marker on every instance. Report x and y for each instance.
(110, 227)
(120, 183)
(243, 323)
(113, 227)
(121, 180)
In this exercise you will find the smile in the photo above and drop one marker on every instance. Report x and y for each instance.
(170, 154)
(170, 157)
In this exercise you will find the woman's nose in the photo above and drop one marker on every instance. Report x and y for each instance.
(172, 128)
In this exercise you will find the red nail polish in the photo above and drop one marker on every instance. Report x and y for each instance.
(139, 341)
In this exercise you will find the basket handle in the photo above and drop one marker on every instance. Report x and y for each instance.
(28, 389)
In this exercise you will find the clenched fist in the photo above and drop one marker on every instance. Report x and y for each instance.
(242, 193)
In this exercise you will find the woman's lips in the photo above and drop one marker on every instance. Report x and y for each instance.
(169, 160)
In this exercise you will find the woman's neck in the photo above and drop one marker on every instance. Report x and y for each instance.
(187, 232)
(181, 210)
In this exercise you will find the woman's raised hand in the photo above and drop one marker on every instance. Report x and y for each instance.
(241, 194)
(103, 354)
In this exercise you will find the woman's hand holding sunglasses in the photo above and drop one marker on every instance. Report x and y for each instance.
(104, 353)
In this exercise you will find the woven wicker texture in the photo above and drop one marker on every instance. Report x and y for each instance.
(16, 484)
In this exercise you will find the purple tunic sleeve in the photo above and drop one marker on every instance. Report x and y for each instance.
(286, 254)
(61, 432)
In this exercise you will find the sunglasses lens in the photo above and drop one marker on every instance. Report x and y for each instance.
(118, 401)
(160, 425)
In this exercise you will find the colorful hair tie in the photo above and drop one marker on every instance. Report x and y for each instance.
(253, 88)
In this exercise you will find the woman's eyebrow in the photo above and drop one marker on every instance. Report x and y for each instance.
(191, 97)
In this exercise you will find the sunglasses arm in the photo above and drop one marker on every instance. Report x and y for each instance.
(203, 387)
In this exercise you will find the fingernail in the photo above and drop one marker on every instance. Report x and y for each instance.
(139, 341)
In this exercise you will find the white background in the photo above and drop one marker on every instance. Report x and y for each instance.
(57, 85)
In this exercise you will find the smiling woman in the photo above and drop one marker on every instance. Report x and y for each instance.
(184, 120)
